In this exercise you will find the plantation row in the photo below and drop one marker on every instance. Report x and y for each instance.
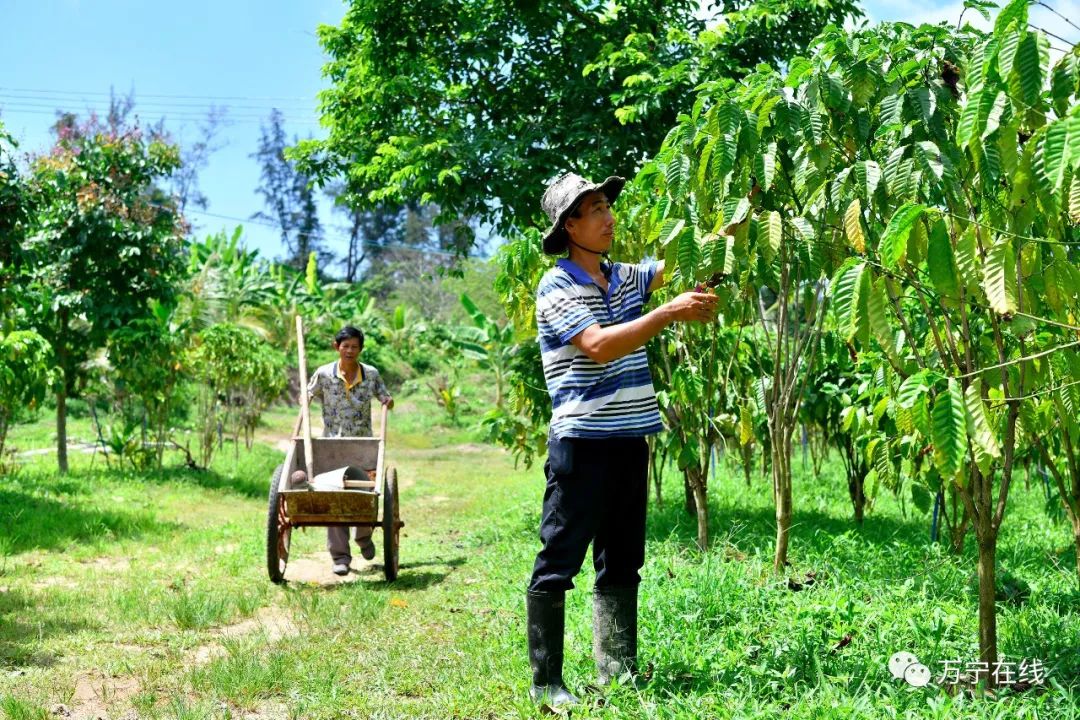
(891, 228)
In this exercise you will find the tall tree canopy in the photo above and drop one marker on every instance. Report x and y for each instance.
(105, 239)
(471, 104)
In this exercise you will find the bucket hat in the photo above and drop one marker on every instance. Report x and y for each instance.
(562, 196)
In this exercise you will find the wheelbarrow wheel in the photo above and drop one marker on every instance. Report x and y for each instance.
(391, 523)
(278, 532)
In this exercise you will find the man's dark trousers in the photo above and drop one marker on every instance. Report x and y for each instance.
(600, 499)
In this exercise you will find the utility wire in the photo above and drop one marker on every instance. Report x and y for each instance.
(53, 102)
(48, 109)
(1039, 2)
(172, 116)
(214, 98)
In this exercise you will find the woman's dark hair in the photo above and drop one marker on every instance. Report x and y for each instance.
(349, 332)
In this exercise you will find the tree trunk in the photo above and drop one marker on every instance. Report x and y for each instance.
(688, 490)
(697, 483)
(781, 471)
(747, 462)
(857, 493)
(987, 609)
(61, 428)
(1076, 542)
(957, 528)
(61, 394)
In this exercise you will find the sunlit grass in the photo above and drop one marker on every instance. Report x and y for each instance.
(159, 578)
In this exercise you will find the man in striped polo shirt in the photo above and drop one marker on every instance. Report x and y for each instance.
(592, 332)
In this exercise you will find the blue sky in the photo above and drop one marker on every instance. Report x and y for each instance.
(246, 55)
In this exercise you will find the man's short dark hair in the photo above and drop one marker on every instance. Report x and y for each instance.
(348, 332)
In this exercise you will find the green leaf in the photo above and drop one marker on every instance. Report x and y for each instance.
(1063, 82)
(941, 263)
(893, 244)
(1010, 43)
(912, 389)
(765, 167)
(797, 70)
(932, 160)
(1074, 198)
(892, 110)
(979, 429)
(689, 254)
(948, 430)
(853, 227)
(738, 216)
(968, 127)
(993, 117)
(671, 229)
(877, 313)
(813, 126)
(774, 233)
(869, 174)
(968, 266)
(678, 173)
(1029, 68)
(999, 277)
(1052, 157)
(923, 101)
(848, 287)
(1017, 10)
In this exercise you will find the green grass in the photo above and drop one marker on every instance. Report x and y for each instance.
(154, 584)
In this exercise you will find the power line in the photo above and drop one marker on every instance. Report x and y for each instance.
(49, 102)
(48, 109)
(156, 95)
(174, 116)
(1039, 2)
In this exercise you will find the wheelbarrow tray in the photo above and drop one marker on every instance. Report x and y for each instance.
(324, 508)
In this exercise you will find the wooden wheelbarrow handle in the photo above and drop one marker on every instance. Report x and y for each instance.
(305, 409)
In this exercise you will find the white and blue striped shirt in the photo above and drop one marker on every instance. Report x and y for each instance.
(590, 400)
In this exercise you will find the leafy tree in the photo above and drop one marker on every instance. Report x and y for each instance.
(15, 212)
(369, 230)
(928, 172)
(105, 240)
(146, 368)
(239, 376)
(25, 375)
(289, 197)
(472, 104)
(194, 158)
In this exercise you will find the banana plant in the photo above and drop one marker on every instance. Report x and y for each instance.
(492, 347)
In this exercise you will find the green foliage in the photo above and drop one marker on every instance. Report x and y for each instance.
(145, 357)
(466, 102)
(26, 373)
(104, 238)
(103, 242)
(15, 212)
(240, 375)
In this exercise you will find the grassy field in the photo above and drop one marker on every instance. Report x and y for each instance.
(144, 595)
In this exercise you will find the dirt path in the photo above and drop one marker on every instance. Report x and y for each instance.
(96, 695)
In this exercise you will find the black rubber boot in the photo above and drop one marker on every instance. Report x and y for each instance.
(546, 625)
(615, 634)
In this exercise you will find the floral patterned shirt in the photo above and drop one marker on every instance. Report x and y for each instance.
(346, 409)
